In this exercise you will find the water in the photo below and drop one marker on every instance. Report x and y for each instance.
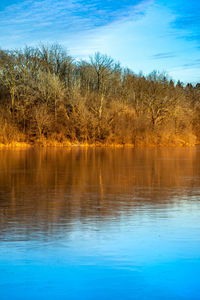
(100, 224)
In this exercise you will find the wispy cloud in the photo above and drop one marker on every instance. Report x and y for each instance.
(193, 63)
(32, 20)
(163, 55)
(84, 13)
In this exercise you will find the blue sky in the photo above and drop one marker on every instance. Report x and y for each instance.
(143, 35)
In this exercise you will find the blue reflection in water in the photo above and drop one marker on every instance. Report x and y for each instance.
(124, 236)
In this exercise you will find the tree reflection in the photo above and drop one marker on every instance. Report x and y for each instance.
(44, 190)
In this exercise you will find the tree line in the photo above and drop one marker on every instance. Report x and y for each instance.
(46, 95)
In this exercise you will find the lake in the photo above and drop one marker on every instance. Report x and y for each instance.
(105, 223)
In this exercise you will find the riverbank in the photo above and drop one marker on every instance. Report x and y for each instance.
(46, 143)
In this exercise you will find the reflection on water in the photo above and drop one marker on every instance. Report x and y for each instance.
(100, 224)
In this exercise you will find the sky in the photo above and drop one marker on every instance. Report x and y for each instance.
(144, 35)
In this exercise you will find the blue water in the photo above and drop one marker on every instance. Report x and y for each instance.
(100, 224)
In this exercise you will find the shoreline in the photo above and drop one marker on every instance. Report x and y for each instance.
(55, 144)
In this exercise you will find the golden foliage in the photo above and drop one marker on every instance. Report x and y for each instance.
(47, 98)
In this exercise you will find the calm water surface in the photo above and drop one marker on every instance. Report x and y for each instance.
(100, 224)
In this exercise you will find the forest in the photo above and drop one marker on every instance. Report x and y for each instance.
(49, 98)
